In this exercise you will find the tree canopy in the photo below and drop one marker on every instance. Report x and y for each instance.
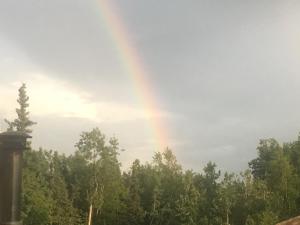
(89, 187)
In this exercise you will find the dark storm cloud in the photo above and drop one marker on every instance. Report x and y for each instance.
(67, 38)
(228, 69)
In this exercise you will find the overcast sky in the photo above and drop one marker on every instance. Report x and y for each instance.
(226, 74)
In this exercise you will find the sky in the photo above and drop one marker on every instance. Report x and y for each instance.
(206, 78)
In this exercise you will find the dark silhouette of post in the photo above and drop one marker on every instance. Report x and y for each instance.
(12, 145)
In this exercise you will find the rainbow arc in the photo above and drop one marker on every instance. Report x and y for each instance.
(133, 64)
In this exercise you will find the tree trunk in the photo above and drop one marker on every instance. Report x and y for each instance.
(90, 215)
(227, 217)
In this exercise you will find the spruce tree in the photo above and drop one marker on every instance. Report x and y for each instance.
(22, 123)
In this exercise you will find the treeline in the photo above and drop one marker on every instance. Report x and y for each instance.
(88, 187)
(62, 190)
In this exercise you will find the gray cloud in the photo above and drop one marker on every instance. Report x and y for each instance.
(228, 69)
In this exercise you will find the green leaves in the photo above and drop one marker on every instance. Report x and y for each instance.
(63, 190)
(103, 175)
(46, 198)
(59, 190)
(91, 145)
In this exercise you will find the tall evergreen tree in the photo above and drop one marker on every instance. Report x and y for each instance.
(23, 122)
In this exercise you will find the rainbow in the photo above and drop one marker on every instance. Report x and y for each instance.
(135, 69)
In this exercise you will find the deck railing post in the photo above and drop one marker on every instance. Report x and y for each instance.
(12, 145)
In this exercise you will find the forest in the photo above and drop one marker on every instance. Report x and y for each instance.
(89, 187)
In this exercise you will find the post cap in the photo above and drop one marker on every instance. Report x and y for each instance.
(13, 140)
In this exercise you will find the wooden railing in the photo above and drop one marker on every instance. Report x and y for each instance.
(292, 221)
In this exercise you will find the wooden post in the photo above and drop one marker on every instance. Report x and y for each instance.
(12, 145)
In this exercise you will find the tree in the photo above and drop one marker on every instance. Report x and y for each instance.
(266, 153)
(134, 213)
(105, 185)
(36, 199)
(227, 196)
(282, 184)
(22, 123)
(168, 189)
(186, 210)
(90, 146)
(209, 205)
(45, 195)
(63, 211)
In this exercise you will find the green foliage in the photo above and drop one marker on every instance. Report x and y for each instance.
(104, 192)
(268, 218)
(60, 190)
(22, 123)
(45, 195)
(186, 209)
(209, 204)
